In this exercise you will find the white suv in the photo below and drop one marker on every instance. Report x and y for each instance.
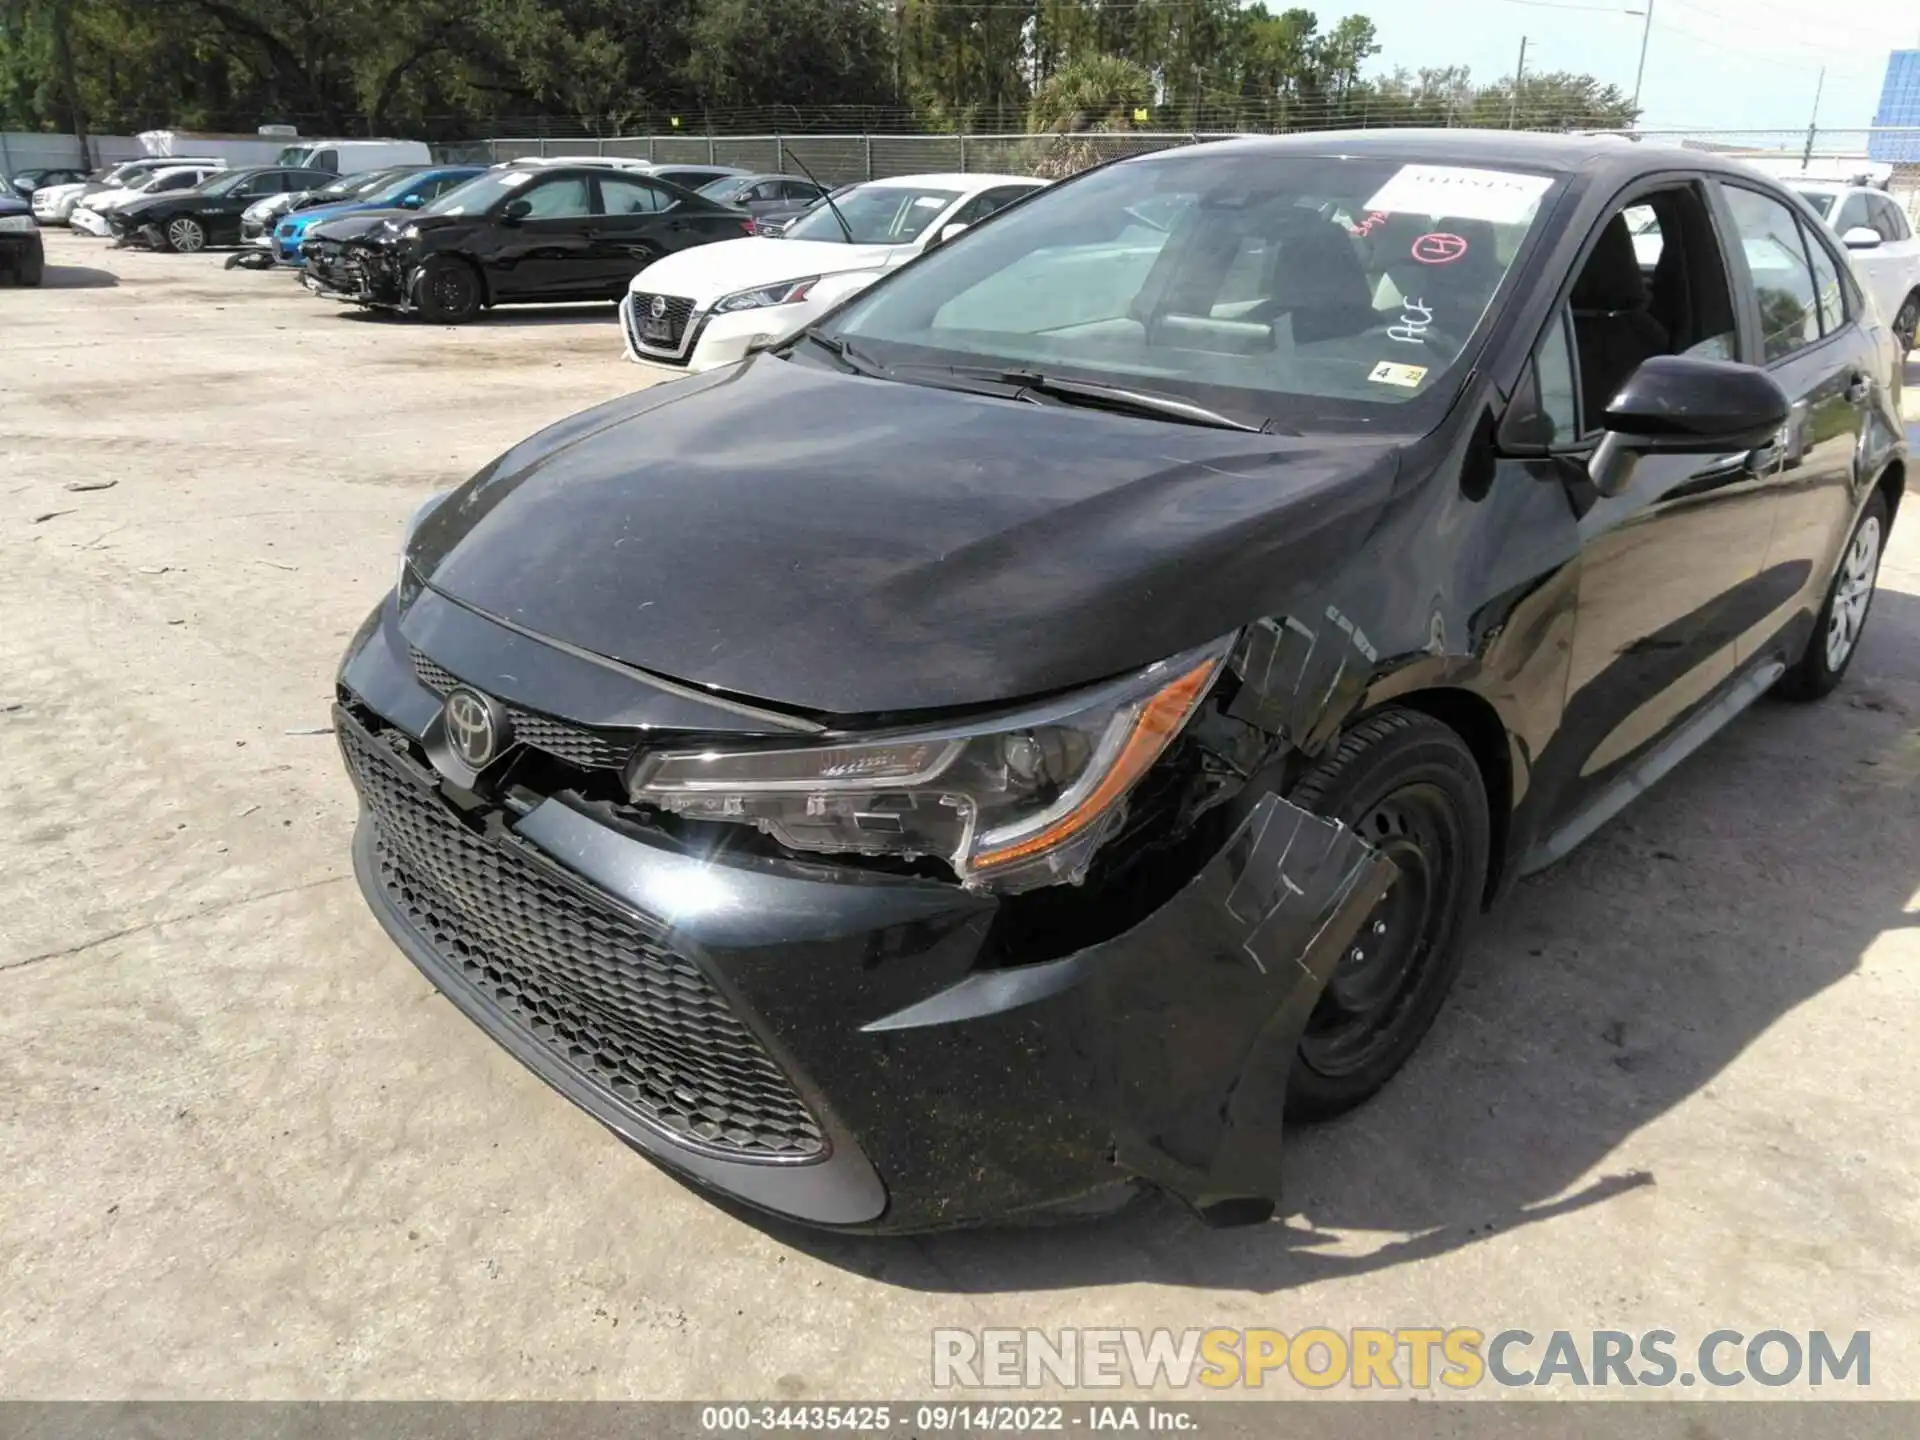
(1879, 240)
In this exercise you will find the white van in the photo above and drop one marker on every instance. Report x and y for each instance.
(352, 157)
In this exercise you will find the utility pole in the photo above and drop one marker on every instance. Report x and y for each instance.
(1813, 122)
(1519, 70)
(1639, 74)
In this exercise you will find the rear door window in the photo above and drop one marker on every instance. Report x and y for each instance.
(1827, 288)
(1781, 274)
(632, 197)
(1887, 219)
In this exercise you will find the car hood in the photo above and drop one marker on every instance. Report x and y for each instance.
(845, 546)
(117, 199)
(707, 272)
(353, 226)
(140, 205)
(61, 192)
(314, 215)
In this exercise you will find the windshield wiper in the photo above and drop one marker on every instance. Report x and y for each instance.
(1117, 398)
(841, 351)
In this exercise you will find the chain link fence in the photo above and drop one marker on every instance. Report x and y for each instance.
(1888, 157)
(1878, 157)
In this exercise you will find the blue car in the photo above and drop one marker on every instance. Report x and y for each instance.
(405, 192)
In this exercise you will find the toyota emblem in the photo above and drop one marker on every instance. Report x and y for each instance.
(659, 306)
(472, 730)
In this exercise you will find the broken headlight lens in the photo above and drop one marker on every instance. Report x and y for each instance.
(1019, 800)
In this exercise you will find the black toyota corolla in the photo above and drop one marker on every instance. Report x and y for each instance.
(1028, 734)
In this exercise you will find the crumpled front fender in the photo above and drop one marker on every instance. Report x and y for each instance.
(1190, 1021)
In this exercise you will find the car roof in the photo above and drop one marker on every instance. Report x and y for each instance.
(619, 162)
(754, 175)
(951, 180)
(1562, 154)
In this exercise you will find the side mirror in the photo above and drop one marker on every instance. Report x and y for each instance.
(947, 232)
(1861, 237)
(516, 211)
(1679, 405)
(412, 202)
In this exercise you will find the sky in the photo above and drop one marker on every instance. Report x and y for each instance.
(1711, 64)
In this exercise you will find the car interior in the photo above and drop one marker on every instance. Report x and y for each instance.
(1655, 284)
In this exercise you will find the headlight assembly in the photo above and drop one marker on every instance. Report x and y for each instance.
(1019, 800)
(17, 222)
(787, 292)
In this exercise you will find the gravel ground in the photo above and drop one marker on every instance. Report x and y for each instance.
(246, 1151)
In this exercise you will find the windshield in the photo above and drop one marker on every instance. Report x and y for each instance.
(296, 157)
(1304, 287)
(351, 187)
(1820, 200)
(391, 186)
(723, 188)
(876, 214)
(482, 192)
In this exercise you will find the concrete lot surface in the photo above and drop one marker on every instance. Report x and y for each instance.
(247, 1151)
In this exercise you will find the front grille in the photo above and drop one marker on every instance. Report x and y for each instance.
(589, 749)
(574, 973)
(677, 311)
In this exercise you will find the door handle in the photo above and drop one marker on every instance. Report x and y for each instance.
(1859, 389)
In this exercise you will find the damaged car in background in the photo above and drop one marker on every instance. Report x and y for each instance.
(209, 214)
(1028, 735)
(516, 235)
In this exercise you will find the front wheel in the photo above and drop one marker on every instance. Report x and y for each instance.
(1836, 633)
(186, 235)
(447, 291)
(1409, 787)
(1907, 323)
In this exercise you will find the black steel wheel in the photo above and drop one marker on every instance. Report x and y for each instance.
(1408, 786)
(447, 291)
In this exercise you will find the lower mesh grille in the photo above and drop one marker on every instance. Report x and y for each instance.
(640, 1023)
(589, 749)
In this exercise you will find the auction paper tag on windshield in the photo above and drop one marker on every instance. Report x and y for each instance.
(1405, 376)
(1503, 196)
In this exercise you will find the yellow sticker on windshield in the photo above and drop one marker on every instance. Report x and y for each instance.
(1406, 376)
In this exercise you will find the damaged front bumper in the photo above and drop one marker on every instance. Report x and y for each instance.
(362, 274)
(829, 1043)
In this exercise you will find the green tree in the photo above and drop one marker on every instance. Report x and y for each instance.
(1093, 92)
(748, 53)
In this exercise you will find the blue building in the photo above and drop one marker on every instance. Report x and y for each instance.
(1899, 105)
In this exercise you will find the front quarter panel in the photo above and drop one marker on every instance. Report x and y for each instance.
(1461, 593)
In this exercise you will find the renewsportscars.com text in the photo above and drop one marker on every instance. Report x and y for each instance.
(1416, 1358)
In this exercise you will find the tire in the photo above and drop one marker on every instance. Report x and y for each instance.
(1409, 786)
(185, 235)
(448, 291)
(32, 270)
(1907, 323)
(1842, 619)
